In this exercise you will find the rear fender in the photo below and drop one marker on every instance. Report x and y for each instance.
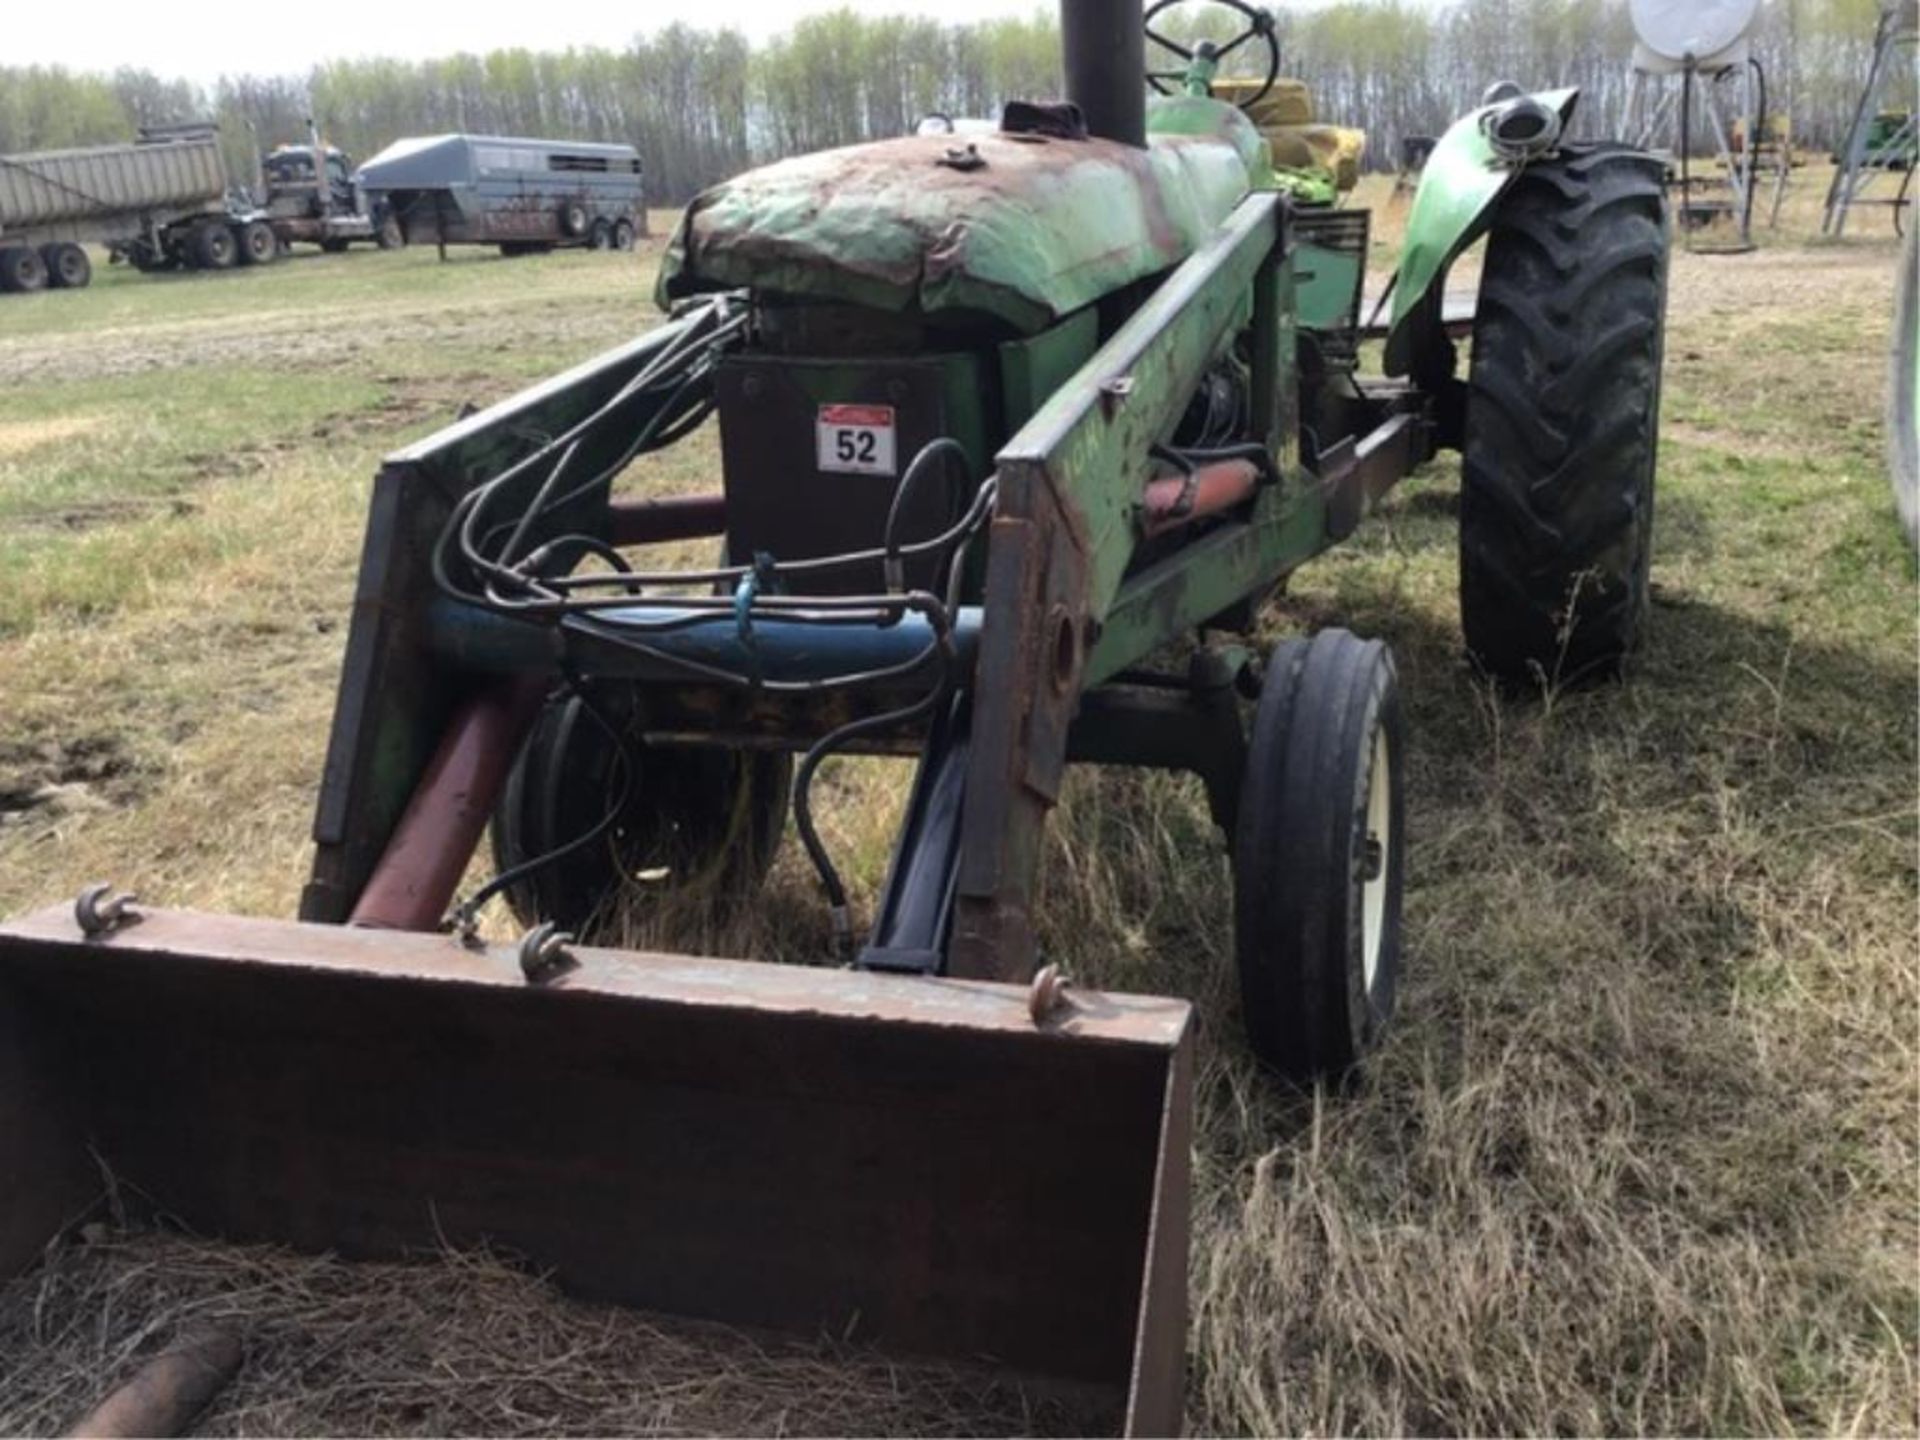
(1462, 181)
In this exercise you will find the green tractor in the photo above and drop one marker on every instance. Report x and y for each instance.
(1891, 143)
(1017, 431)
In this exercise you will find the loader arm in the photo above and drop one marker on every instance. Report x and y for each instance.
(1071, 486)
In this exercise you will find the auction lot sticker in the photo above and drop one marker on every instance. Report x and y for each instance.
(854, 439)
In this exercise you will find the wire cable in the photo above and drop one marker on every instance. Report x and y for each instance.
(464, 917)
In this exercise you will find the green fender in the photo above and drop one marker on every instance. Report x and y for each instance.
(1451, 209)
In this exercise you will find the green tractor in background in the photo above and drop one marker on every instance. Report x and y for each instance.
(1891, 143)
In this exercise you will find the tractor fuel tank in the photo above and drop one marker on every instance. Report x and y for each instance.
(912, 1162)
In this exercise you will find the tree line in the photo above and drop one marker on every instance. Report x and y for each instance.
(703, 104)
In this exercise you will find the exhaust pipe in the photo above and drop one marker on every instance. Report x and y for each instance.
(1104, 46)
(1522, 128)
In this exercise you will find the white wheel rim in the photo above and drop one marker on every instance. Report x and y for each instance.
(1375, 873)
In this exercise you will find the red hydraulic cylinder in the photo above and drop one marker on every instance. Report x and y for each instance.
(1181, 499)
(413, 885)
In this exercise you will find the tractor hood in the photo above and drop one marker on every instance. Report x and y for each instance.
(1021, 228)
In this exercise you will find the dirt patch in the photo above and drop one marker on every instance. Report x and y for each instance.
(106, 512)
(57, 778)
(413, 400)
(464, 1344)
(1723, 439)
(1756, 288)
(295, 344)
(413, 406)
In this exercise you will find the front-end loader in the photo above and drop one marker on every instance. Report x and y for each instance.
(1017, 430)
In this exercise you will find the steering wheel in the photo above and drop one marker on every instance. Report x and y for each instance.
(1259, 26)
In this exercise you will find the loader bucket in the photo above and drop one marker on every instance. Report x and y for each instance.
(912, 1162)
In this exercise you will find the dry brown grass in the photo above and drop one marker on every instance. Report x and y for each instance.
(460, 1343)
(25, 435)
(1640, 1154)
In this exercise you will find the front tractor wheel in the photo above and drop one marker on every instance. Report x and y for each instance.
(699, 823)
(1319, 857)
(1563, 410)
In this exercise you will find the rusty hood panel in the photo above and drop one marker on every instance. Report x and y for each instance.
(1037, 230)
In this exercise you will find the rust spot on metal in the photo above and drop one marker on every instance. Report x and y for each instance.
(414, 882)
(899, 224)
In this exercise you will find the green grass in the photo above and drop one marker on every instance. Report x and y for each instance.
(1639, 1155)
(309, 288)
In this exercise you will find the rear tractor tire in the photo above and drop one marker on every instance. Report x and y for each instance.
(68, 267)
(22, 271)
(1562, 419)
(623, 235)
(258, 244)
(1319, 857)
(700, 823)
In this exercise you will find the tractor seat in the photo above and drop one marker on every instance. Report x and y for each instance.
(1285, 118)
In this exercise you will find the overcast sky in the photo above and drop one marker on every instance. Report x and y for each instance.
(201, 42)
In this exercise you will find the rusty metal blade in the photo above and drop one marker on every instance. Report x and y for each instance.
(906, 1160)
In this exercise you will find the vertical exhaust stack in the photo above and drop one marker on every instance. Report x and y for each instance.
(1105, 49)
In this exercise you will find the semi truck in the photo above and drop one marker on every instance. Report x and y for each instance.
(519, 194)
(313, 196)
(161, 203)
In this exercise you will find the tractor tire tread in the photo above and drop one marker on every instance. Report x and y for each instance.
(1562, 417)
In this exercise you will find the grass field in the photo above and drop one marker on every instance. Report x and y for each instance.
(1640, 1155)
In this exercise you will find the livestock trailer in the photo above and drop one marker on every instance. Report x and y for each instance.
(161, 203)
(522, 195)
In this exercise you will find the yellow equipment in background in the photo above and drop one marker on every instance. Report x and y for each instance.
(1284, 116)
